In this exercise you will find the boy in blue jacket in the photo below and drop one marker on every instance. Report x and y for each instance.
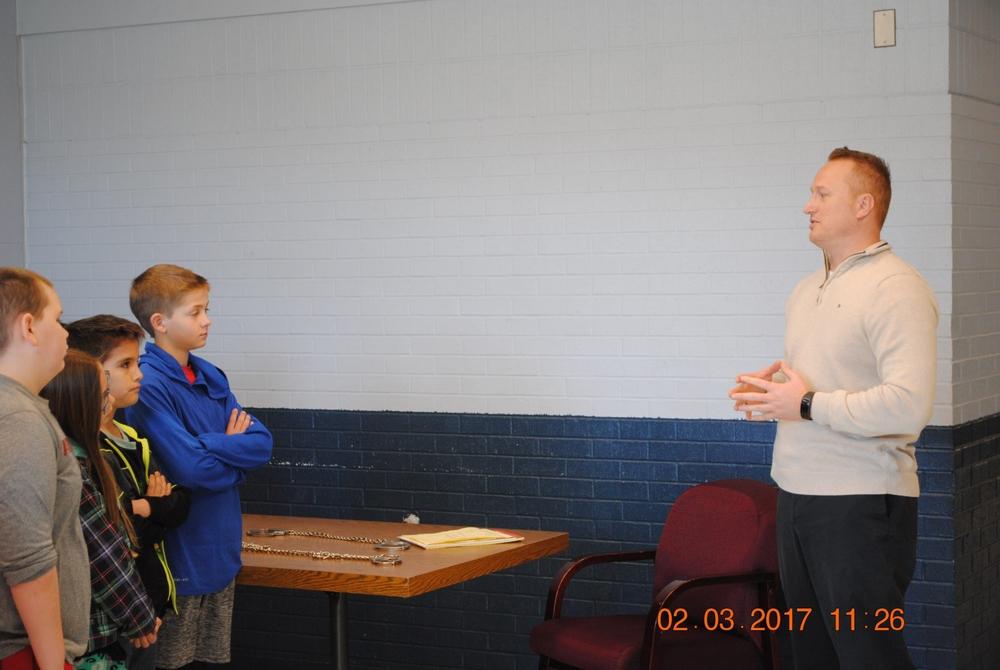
(204, 441)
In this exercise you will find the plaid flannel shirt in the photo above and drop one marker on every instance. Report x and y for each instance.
(119, 604)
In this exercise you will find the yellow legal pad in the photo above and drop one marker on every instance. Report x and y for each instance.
(461, 537)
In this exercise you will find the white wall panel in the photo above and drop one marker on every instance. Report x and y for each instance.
(546, 207)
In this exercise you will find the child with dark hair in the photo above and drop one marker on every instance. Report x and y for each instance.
(154, 503)
(78, 397)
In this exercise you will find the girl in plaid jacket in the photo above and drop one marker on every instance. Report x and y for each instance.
(119, 603)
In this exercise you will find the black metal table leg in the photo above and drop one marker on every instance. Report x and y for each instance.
(338, 630)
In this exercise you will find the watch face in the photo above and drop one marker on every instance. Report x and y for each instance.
(805, 407)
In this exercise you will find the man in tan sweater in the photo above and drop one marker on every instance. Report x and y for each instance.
(851, 396)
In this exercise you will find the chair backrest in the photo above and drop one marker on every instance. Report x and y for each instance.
(718, 528)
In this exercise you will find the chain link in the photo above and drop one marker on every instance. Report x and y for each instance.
(343, 538)
(317, 555)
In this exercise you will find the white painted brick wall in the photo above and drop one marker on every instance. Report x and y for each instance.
(548, 207)
(976, 237)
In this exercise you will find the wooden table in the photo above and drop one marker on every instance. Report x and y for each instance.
(420, 572)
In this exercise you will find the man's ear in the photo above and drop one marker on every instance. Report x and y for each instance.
(864, 205)
(156, 321)
(24, 328)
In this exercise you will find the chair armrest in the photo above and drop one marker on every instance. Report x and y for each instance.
(560, 582)
(679, 586)
(766, 581)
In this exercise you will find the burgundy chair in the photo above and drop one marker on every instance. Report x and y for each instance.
(717, 551)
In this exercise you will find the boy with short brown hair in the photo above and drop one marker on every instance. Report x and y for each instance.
(204, 441)
(45, 584)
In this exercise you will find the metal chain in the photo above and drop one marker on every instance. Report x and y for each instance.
(343, 538)
(318, 555)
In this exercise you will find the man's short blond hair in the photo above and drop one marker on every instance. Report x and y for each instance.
(21, 292)
(870, 175)
(158, 290)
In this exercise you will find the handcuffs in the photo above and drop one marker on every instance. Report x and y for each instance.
(390, 546)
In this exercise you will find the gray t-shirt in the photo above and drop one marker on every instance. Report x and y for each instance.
(39, 517)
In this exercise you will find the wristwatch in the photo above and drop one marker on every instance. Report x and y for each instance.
(806, 406)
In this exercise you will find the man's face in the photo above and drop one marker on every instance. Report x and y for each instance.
(832, 205)
(122, 366)
(50, 335)
(187, 326)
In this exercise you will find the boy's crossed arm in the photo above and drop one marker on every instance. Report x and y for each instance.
(213, 460)
(245, 444)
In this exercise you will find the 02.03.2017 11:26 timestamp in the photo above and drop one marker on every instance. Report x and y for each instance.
(772, 619)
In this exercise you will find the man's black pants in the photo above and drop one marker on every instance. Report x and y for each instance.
(843, 553)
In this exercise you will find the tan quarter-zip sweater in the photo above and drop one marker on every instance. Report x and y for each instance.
(864, 337)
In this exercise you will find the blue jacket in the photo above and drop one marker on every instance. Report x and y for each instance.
(186, 427)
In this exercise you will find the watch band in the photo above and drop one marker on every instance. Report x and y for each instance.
(805, 407)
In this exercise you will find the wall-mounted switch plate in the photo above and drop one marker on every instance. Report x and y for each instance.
(885, 28)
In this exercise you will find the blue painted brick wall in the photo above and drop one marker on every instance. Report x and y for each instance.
(608, 482)
(977, 543)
